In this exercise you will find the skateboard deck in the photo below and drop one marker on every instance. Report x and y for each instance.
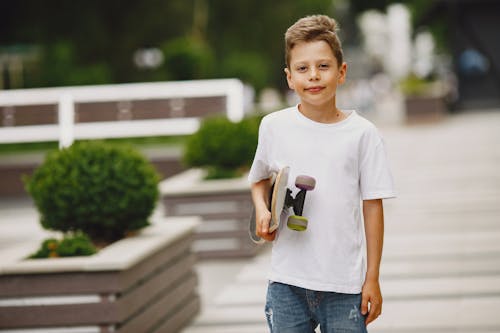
(276, 204)
(278, 195)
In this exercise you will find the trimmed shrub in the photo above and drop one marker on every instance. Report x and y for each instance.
(225, 149)
(104, 190)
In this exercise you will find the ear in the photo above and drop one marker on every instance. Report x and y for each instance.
(342, 73)
(289, 78)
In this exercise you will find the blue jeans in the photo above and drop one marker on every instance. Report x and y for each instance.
(291, 309)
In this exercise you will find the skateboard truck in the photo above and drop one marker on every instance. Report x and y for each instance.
(298, 222)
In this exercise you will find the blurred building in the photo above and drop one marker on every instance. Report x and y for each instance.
(473, 27)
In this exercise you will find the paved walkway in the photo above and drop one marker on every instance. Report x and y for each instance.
(441, 263)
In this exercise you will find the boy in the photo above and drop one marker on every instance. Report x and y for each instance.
(319, 276)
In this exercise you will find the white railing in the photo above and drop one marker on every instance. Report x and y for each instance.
(66, 131)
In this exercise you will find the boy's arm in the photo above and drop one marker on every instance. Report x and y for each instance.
(373, 214)
(260, 197)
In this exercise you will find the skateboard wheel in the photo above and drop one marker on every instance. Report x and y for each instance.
(305, 183)
(297, 223)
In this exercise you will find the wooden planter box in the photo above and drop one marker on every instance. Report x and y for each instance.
(145, 283)
(425, 109)
(224, 205)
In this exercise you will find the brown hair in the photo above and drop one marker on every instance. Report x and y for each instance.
(314, 28)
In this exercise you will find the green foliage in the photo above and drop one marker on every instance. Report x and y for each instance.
(71, 245)
(222, 147)
(58, 65)
(137, 142)
(104, 37)
(200, 39)
(11, 148)
(46, 250)
(76, 245)
(250, 67)
(187, 59)
(101, 189)
(415, 86)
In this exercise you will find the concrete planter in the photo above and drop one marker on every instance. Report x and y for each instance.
(145, 283)
(425, 109)
(224, 206)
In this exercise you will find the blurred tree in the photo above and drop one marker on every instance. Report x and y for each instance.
(100, 33)
(93, 41)
(257, 28)
(187, 58)
(250, 67)
(56, 66)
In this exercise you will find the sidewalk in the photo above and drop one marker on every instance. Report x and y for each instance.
(441, 263)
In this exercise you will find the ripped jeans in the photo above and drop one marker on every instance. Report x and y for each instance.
(291, 309)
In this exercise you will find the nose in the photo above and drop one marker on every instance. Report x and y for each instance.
(313, 74)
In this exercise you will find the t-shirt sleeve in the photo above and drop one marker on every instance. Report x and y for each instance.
(376, 181)
(260, 168)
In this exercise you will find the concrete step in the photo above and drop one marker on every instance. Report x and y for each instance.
(425, 222)
(440, 316)
(453, 314)
(245, 293)
(438, 287)
(443, 267)
(231, 316)
(470, 314)
(241, 328)
(451, 244)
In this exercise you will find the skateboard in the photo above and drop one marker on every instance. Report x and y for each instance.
(280, 198)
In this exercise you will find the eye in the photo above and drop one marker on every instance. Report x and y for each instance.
(324, 66)
(301, 68)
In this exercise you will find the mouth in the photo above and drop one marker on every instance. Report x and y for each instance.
(315, 89)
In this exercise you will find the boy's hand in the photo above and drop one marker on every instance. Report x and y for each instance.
(260, 197)
(262, 228)
(371, 295)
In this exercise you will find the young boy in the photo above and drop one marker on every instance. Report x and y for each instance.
(319, 276)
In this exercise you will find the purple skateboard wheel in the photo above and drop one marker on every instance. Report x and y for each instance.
(305, 183)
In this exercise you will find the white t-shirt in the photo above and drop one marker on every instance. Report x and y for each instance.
(349, 163)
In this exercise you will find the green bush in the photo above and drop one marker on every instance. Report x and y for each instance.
(187, 58)
(72, 245)
(69, 70)
(415, 86)
(102, 189)
(249, 67)
(225, 149)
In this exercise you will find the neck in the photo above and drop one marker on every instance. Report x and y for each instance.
(326, 114)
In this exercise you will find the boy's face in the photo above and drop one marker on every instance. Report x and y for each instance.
(314, 73)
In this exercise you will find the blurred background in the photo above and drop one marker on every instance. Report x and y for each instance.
(58, 43)
(427, 72)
